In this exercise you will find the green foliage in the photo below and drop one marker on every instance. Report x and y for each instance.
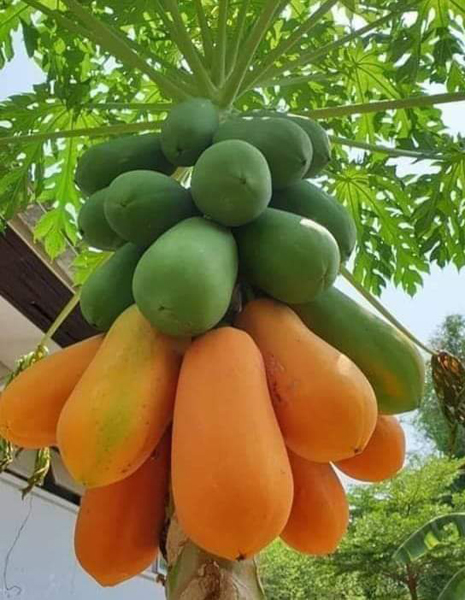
(119, 64)
(449, 336)
(382, 517)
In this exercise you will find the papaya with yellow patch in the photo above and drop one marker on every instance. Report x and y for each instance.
(118, 412)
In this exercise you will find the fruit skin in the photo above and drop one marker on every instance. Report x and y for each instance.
(317, 135)
(231, 476)
(121, 407)
(184, 281)
(102, 163)
(383, 456)
(284, 144)
(324, 404)
(320, 512)
(108, 291)
(231, 183)
(189, 130)
(290, 258)
(141, 205)
(306, 199)
(390, 362)
(118, 526)
(320, 142)
(31, 404)
(93, 224)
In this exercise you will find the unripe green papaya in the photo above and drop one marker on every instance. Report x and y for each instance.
(316, 133)
(306, 199)
(93, 225)
(390, 362)
(184, 281)
(102, 163)
(231, 182)
(290, 258)
(141, 205)
(284, 144)
(320, 142)
(108, 291)
(188, 130)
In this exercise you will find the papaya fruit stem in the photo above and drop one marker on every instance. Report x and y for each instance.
(307, 26)
(259, 30)
(219, 55)
(207, 42)
(61, 318)
(117, 46)
(183, 41)
(383, 310)
(382, 105)
(104, 131)
(385, 149)
(233, 49)
(311, 56)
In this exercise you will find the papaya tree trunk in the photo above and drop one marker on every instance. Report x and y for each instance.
(193, 574)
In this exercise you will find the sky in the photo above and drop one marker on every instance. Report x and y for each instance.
(443, 290)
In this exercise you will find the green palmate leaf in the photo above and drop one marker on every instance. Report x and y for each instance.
(13, 16)
(429, 536)
(360, 68)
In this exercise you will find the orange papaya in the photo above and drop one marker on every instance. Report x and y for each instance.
(118, 412)
(118, 526)
(383, 456)
(325, 406)
(231, 477)
(320, 511)
(31, 404)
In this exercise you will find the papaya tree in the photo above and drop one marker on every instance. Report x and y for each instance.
(372, 73)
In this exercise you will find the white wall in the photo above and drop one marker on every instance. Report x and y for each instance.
(36, 552)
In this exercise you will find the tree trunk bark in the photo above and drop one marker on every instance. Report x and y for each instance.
(193, 574)
(412, 583)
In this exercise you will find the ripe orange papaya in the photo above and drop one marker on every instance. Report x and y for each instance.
(232, 482)
(31, 404)
(320, 512)
(325, 406)
(118, 526)
(118, 412)
(383, 456)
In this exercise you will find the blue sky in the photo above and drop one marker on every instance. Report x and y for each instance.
(443, 290)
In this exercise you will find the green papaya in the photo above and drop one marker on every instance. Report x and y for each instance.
(320, 142)
(93, 225)
(184, 282)
(188, 130)
(141, 205)
(108, 291)
(306, 199)
(231, 182)
(102, 163)
(284, 144)
(390, 362)
(290, 258)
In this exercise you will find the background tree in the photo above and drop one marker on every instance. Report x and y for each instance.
(450, 336)
(382, 517)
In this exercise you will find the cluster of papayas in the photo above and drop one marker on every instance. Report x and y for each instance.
(244, 405)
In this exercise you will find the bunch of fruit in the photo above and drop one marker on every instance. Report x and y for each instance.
(240, 407)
